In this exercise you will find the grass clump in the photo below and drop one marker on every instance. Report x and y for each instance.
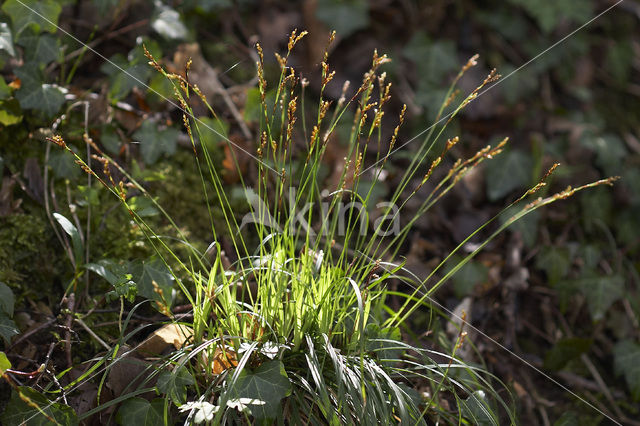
(294, 325)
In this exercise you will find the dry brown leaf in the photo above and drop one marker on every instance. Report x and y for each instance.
(127, 372)
(15, 84)
(159, 341)
(85, 396)
(237, 152)
(223, 359)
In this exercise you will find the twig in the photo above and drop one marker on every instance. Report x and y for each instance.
(579, 381)
(629, 311)
(31, 333)
(92, 334)
(601, 385)
(46, 361)
(540, 402)
(595, 401)
(232, 108)
(96, 42)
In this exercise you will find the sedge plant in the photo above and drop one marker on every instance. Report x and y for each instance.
(298, 328)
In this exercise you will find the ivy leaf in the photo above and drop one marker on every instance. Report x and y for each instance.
(42, 49)
(18, 412)
(610, 151)
(212, 132)
(434, 60)
(5, 90)
(601, 292)
(7, 299)
(620, 60)
(268, 383)
(564, 351)
(132, 71)
(160, 89)
(527, 226)
(8, 328)
(140, 412)
(6, 39)
(467, 277)
(41, 15)
(555, 262)
(107, 269)
(155, 142)
(110, 139)
(10, 112)
(550, 13)
(30, 76)
(344, 16)
(590, 255)
(174, 384)
(122, 82)
(117, 276)
(104, 7)
(628, 226)
(627, 363)
(146, 273)
(599, 203)
(512, 27)
(507, 172)
(523, 85)
(37, 95)
(63, 165)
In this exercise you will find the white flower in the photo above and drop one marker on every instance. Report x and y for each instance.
(205, 411)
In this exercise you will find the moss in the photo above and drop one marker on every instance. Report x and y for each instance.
(182, 196)
(29, 253)
(113, 234)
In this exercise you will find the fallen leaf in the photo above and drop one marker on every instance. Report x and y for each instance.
(233, 154)
(85, 395)
(159, 341)
(15, 84)
(223, 359)
(127, 372)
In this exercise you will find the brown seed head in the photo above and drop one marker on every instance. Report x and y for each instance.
(293, 38)
(550, 171)
(57, 139)
(472, 62)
